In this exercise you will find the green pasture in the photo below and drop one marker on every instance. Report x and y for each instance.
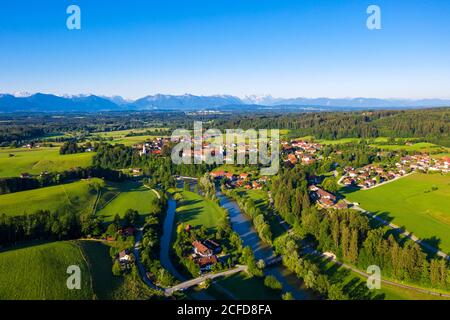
(117, 198)
(39, 272)
(13, 162)
(419, 202)
(195, 210)
(76, 197)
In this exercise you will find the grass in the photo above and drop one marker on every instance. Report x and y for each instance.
(197, 211)
(120, 136)
(104, 283)
(242, 287)
(35, 161)
(118, 198)
(419, 202)
(106, 286)
(77, 197)
(419, 147)
(39, 272)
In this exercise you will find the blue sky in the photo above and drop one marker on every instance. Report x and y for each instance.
(287, 48)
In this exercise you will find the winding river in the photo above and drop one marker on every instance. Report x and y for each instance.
(242, 225)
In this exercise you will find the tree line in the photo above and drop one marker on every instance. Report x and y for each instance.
(17, 184)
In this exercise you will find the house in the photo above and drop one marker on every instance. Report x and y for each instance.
(326, 202)
(244, 176)
(212, 245)
(325, 195)
(256, 185)
(143, 152)
(205, 263)
(127, 231)
(125, 256)
(292, 158)
(348, 181)
(324, 198)
(229, 176)
(201, 249)
(217, 174)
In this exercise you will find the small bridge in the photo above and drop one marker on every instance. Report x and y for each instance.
(191, 283)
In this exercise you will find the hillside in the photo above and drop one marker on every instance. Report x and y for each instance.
(75, 197)
(39, 272)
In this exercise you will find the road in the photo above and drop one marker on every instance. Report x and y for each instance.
(197, 281)
(137, 257)
(402, 231)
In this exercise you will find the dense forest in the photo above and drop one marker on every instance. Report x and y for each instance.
(432, 124)
(351, 237)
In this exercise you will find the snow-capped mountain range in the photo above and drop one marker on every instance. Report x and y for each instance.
(40, 102)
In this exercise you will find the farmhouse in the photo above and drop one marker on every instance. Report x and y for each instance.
(201, 249)
(125, 257)
(323, 198)
(205, 263)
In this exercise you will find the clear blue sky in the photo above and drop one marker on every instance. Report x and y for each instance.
(285, 48)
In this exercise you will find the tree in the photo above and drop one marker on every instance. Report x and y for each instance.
(272, 283)
(345, 239)
(116, 269)
(336, 293)
(287, 296)
(261, 264)
(330, 185)
(353, 249)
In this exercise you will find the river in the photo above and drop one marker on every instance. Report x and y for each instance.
(242, 225)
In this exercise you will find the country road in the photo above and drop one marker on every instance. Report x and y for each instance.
(196, 281)
(403, 232)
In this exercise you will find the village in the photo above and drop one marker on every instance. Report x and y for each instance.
(303, 152)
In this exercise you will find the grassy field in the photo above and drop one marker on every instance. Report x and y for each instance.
(419, 202)
(39, 272)
(35, 161)
(197, 211)
(120, 136)
(76, 197)
(419, 147)
(118, 198)
(106, 286)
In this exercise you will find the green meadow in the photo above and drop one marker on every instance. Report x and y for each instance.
(419, 202)
(39, 272)
(120, 136)
(419, 147)
(118, 198)
(77, 197)
(105, 285)
(193, 209)
(13, 162)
